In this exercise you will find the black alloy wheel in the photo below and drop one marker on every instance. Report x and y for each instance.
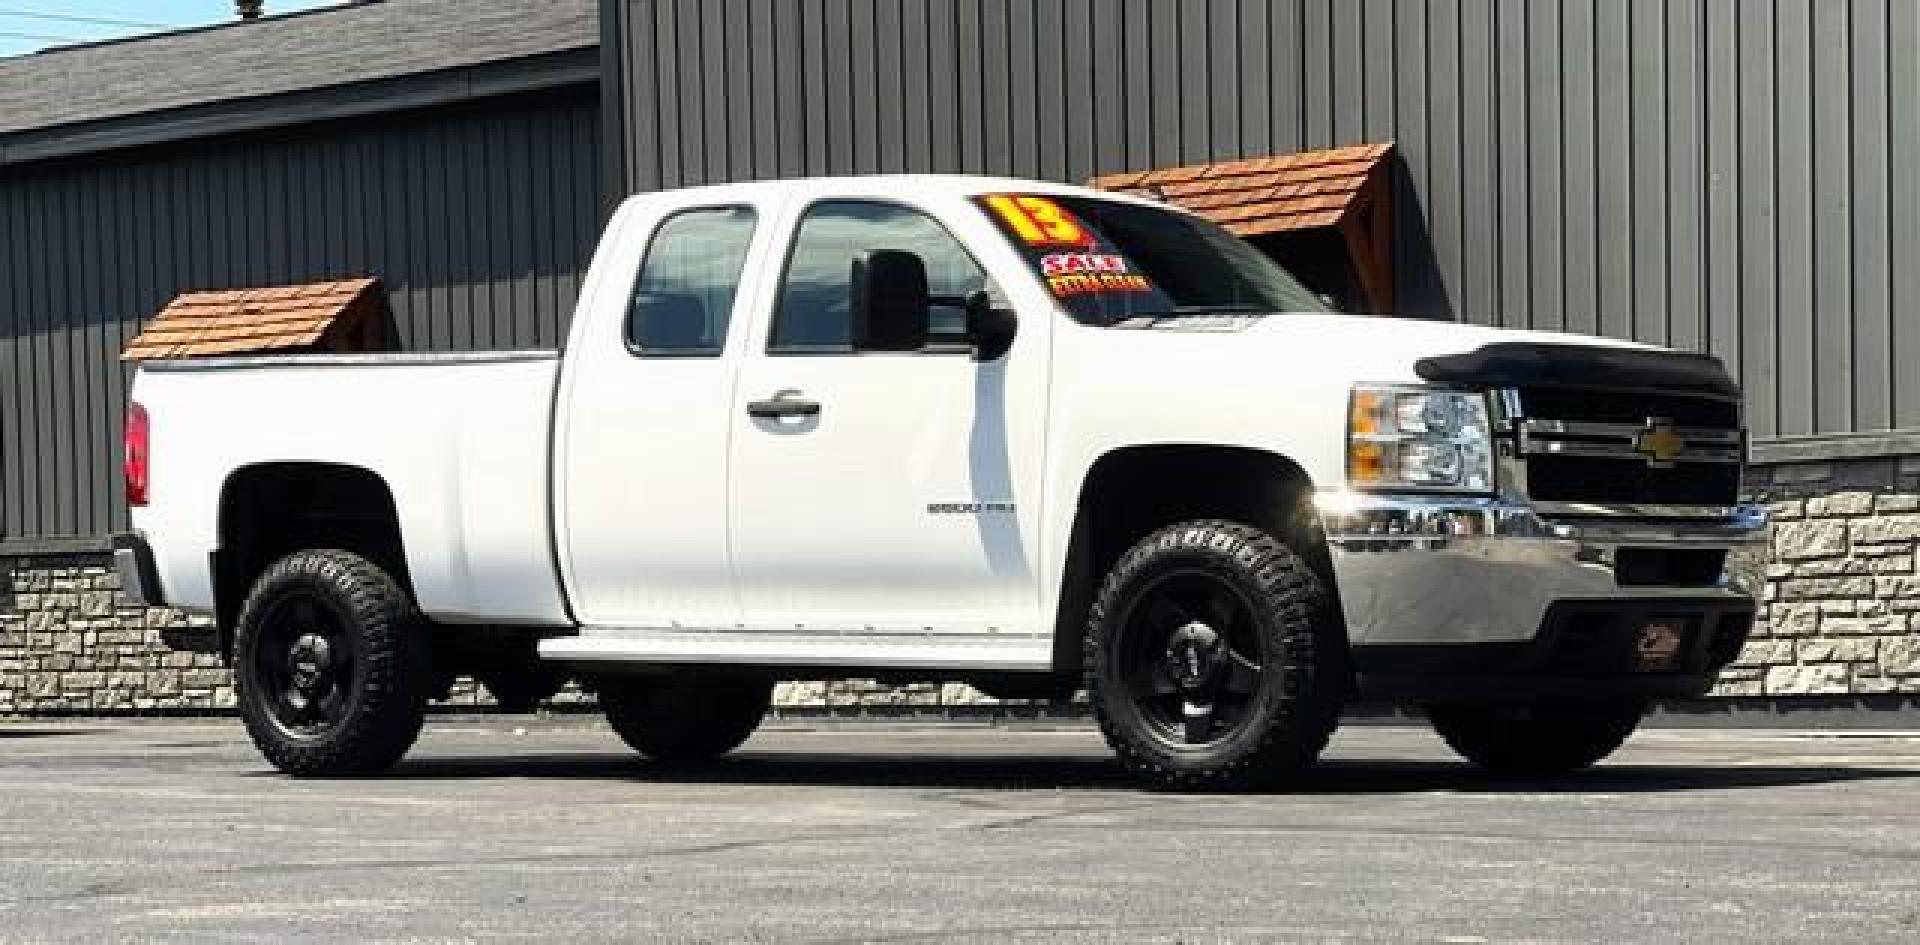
(1190, 654)
(330, 665)
(304, 665)
(1214, 658)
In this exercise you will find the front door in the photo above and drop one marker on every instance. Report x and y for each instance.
(885, 492)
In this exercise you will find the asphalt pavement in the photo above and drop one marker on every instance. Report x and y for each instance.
(504, 827)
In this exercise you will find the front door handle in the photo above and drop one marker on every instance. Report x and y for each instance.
(787, 403)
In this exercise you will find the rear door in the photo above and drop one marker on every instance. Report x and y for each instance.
(886, 492)
(642, 434)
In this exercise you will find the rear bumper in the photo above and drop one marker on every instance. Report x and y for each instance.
(139, 578)
(140, 586)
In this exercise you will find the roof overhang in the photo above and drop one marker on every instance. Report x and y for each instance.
(1344, 190)
(574, 67)
(335, 316)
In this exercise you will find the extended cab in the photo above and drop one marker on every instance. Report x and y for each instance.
(1032, 437)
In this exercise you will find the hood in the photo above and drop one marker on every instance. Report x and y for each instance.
(1283, 382)
(1410, 351)
(1318, 348)
(1402, 342)
(1472, 356)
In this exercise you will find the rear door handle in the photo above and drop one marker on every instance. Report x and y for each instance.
(787, 403)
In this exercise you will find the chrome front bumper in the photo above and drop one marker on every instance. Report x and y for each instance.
(1450, 570)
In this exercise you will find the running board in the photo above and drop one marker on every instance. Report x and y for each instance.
(1000, 652)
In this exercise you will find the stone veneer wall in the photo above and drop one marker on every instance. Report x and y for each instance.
(1841, 613)
(70, 646)
(1841, 617)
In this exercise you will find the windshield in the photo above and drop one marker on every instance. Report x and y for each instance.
(1115, 263)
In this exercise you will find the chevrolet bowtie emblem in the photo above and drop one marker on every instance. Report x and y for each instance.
(1659, 443)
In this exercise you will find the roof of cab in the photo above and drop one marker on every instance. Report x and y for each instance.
(890, 185)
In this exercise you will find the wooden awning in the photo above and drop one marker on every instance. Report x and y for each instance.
(322, 316)
(1343, 188)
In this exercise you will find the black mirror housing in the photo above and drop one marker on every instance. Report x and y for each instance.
(990, 330)
(891, 307)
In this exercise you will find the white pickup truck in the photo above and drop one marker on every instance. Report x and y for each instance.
(1031, 437)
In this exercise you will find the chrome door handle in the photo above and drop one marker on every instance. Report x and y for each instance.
(787, 403)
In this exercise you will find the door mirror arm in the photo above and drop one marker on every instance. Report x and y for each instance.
(990, 330)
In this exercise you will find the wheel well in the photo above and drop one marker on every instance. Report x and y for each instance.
(272, 510)
(1132, 491)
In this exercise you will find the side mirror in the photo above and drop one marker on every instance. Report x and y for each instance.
(989, 330)
(891, 308)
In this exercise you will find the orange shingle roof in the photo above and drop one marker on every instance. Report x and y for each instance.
(239, 321)
(1262, 195)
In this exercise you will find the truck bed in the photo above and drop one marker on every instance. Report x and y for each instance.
(461, 440)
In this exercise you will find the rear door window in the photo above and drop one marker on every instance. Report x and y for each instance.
(683, 299)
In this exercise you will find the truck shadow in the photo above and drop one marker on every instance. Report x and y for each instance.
(1022, 773)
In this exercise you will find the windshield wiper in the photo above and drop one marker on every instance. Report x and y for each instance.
(1151, 319)
(1230, 308)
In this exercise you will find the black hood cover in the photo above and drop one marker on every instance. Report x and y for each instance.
(1530, 364)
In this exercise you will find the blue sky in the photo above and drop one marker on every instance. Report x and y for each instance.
(27, 25)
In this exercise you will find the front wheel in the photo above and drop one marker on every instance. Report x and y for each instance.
(1539, 739)
(1213, 659)
(329, 666)
(689, 719)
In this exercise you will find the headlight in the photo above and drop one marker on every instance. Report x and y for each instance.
(1412, 438)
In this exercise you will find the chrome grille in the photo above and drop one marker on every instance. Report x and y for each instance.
(1624, 441)
(1599, 405)
(1614, 448)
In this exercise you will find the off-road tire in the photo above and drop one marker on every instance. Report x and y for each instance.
(691, 719)
(1536, 740)
(387, 698)
(1303, 676)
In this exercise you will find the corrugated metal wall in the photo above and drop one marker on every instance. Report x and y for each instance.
(480, 219)
(1711, 174)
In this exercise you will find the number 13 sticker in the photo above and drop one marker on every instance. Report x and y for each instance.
(1039, 221)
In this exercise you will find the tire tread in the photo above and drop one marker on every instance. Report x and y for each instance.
(394, 702)
(1304, 719)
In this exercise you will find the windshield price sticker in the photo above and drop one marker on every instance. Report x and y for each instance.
(1059, 264)
(1079, 273)
(1080, 264)
(1038, 221)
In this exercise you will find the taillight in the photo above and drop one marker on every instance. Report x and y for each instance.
(137, 461)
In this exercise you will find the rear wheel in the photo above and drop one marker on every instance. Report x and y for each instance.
(329, 666)
(689, 719)
(1537, 739)
(1212, 660)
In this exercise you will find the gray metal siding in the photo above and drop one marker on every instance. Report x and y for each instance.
(480, 219)
(1710, 174)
